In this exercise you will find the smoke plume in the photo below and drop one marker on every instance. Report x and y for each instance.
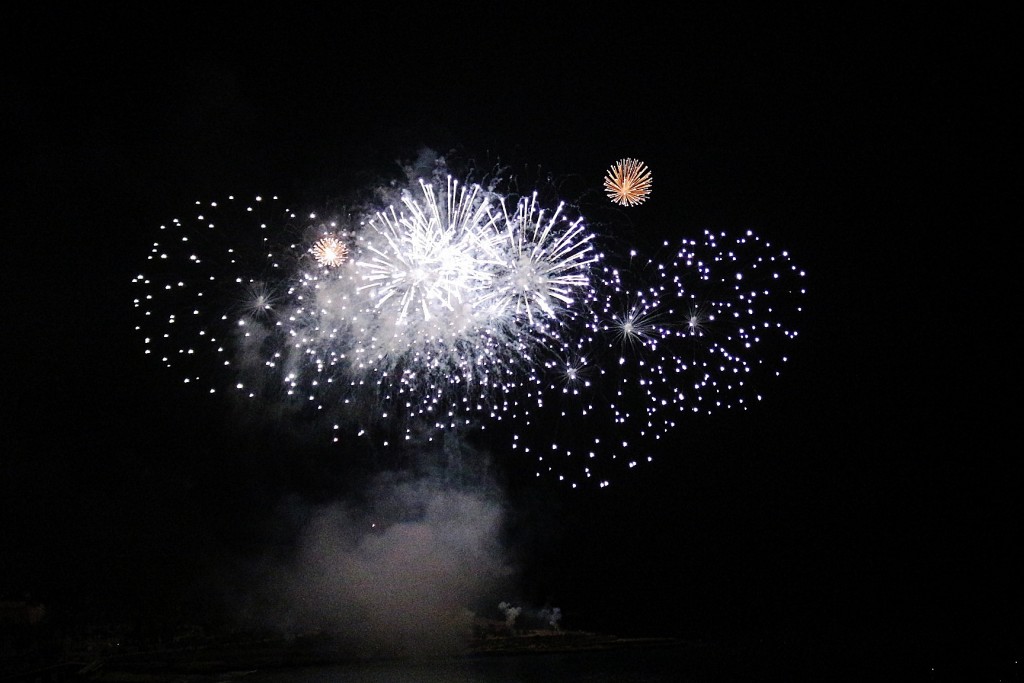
(402, 571)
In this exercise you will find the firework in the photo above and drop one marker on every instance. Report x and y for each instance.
(330, 252)
(447, 298)
(210, 289)
(459, 307)
(628, 182)
(703, 329)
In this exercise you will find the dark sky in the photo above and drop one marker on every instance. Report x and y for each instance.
(871, 498)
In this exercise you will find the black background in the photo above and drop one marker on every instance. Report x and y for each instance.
(868, 505)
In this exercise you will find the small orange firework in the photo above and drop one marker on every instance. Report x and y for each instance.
(330, 252)
(628, 182)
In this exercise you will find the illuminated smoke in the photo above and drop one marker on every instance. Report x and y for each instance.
(511, 613)
(399, 573)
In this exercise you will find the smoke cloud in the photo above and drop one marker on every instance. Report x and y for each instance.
(401, 572)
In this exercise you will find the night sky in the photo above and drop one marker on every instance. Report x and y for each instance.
(868, 505)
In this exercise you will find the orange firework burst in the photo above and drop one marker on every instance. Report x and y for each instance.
(628, 182)
(330, 252)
